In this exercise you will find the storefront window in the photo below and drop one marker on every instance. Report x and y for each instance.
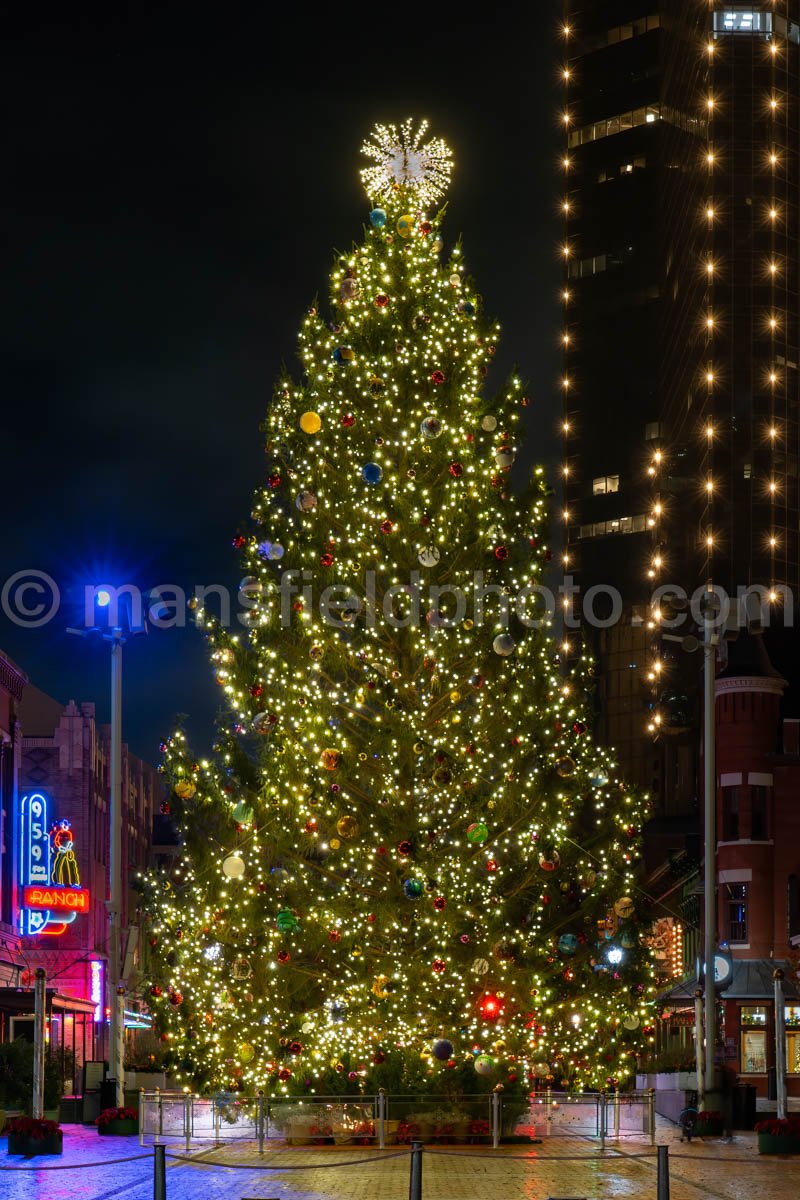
(793, 1052)
(754, 1052)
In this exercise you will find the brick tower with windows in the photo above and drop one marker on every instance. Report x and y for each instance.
(758, 859)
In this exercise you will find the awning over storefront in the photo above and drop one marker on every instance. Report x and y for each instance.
(751, 980)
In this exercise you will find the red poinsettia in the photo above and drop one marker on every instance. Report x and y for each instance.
(32, 1127)
(777, 1127)
(116, 1114)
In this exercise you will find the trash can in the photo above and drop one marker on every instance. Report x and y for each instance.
(108, 1093)
(744, 1106)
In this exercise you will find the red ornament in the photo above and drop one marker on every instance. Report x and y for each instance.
(284, 1074)
(326, 560)
(440, 903)
(295, 1047)
(381, 300)
(497, 481)
(175, 998)
(456, 470)
(164, 808)
(311, 825)
(378, 1057)
(578, 727)
(334, 936)
(372, 918)
(491, 1006)
(438, 965)
(387, 526)
(257, 690)
(404, 848)
(348, 419)
(274, 480)
(239, 541)
(284, 956)
(425, 227)
(381, 849)
(491, 865)
(501, 553)
(438, 377)
(156, 991)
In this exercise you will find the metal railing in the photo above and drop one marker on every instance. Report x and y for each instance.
(380, 1120)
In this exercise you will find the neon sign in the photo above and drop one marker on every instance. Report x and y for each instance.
(51, 892)
(96, 993)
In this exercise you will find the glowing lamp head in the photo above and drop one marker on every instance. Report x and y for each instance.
(615, 955)
(103, 597)
(491, 1006)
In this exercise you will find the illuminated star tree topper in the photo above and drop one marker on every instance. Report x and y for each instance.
(402, 159)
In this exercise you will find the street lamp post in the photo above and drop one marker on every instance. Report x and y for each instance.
(116, 998)
(710, 643)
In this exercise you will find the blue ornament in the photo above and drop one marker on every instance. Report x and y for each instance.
(413, 888)
(377, 218)
(567, 944)
(371, 473)
(442, 1049)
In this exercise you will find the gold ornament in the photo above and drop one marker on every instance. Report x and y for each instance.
(334, 843)
(310, 422)
(347, 827)
(330, 759)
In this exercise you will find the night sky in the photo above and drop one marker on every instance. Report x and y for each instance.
(174, 184)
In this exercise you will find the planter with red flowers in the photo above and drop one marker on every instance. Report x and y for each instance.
(779, 1136)
(710, 1124)
(121, 1122)
(30, 1136)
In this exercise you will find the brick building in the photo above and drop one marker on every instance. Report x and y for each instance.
(54, 805)
(12, 681)
(758, 869)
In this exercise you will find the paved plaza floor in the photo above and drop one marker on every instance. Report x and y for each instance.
(568, 1167)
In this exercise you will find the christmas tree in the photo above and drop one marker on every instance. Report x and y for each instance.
(406, 860)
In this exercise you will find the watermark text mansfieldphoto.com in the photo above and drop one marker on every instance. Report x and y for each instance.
(31, 599)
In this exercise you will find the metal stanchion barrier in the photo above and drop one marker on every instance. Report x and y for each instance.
(187, 1120)
(381, 1118)
(495, 1120)
(663, 1173)
(415, 1180)
(260, 1119)
(159, 1172)
(601, 1119)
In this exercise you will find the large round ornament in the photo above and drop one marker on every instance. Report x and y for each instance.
(241, 968)
(598, 777)
(429, 556)
(565, 767)
(377, 218)
(379, 988)
(567, 944)
(348, 290)
(541, 1070)
(484, 1064)
(549, 860)
(372, 473)
(347, 826)
(480, 966)
(330, 759)
(477, 833)
(405, 225)
(503, 645)
(413, 888)
(430, 427)
(624, 907)
(504, 457)
(242, 813)
(306, 501)
(630, 1022)
(442, 1049)
(233, 866)
(263, 723)
(343, 354)
(246, 1052)
(489, 423)
(185, 789)
(310, 422)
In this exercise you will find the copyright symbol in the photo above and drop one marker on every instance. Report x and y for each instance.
(30, 598)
